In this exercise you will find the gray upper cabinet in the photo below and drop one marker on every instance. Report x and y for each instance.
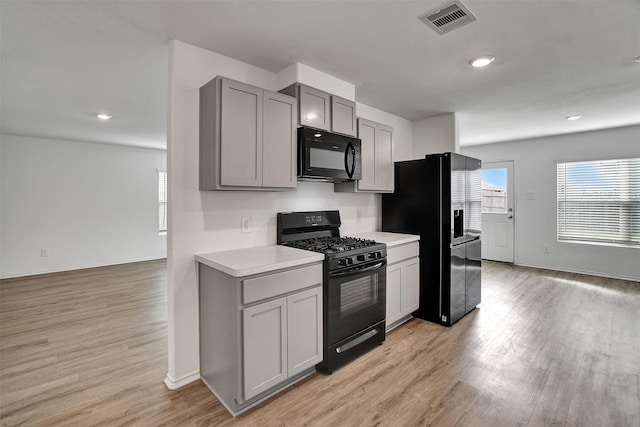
(377, 160)
(343, 116)
(321, 110)
(247, 137)
(279, 141)
(368, 133)
(241, 135)
(314, 106)
(384, 159)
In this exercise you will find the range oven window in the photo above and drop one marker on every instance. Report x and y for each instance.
(358, 294)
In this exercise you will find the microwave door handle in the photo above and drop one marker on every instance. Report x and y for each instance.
(353, 160)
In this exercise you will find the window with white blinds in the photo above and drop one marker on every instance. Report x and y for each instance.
(162, 201)
(599, 201)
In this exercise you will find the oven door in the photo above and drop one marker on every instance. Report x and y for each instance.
(356, 300)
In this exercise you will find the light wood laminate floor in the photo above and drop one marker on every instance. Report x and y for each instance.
(89, 347)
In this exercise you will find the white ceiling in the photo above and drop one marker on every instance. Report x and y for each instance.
(64, 61)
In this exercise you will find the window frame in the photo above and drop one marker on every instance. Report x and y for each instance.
(596, 205)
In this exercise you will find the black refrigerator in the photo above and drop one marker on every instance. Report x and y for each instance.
(440, 199)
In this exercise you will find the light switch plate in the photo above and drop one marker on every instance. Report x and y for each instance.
(245, 225)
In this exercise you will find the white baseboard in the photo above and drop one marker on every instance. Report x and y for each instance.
(174, 384)
(589, 273)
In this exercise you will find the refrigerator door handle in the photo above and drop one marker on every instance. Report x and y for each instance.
(440, 237)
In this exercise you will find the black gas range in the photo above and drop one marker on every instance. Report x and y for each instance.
(354, 285)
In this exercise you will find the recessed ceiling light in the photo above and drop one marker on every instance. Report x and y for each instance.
(481, 61)
(103, 116)
(574, 117)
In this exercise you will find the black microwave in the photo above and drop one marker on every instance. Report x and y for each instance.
(328, 156)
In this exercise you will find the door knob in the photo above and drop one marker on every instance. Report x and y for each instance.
(510, 216)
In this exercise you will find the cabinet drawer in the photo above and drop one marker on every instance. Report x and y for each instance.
(398, 253)
(272, 285)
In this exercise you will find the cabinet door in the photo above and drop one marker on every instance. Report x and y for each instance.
(367, 132)
(314, 108)
(240, 135)
(279, 141)
(384, 158)
(264, 346)
(304, 324)
(394, 299)
(410, 286)
(343, 116)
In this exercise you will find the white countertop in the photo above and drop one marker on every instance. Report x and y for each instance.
(390, 239)
(261, 259)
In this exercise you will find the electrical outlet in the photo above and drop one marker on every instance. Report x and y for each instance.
(531, 196)
(545, 248)
(245, 226)
(44, 252)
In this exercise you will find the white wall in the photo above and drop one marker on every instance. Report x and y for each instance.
(300, 73)
(89, 204)
(402, 130)
(535, 171)
(438, 134)
(208, 221)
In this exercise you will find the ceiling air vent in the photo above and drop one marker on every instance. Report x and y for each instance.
(448, 17)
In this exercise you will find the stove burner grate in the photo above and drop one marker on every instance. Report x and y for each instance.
(330, 245)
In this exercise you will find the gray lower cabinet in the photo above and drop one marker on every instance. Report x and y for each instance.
(281, 338)
(304, 330)
(258, 334)
(264, 343)
(377, 160)
(403, 283)
(247, 137)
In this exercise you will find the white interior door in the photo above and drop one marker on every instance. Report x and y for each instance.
(498, 214)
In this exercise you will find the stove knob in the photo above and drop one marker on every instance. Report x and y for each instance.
(349, 261)
(360, 257)
(342, 262)
(372, 255)
(378, 254)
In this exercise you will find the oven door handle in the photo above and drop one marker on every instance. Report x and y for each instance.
(354, 271)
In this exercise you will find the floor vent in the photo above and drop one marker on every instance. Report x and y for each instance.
(448, 17)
